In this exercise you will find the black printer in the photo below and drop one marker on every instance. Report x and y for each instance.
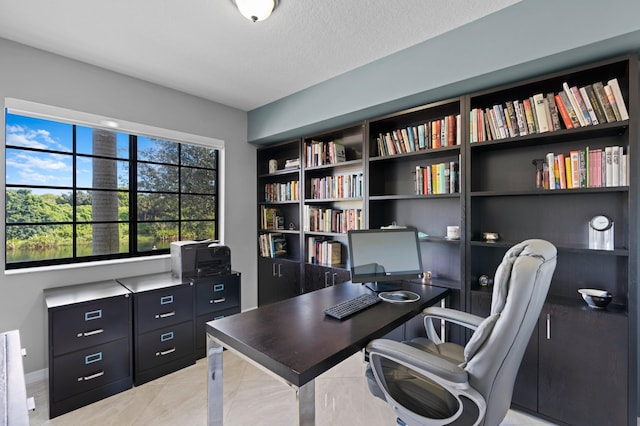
(196, 259)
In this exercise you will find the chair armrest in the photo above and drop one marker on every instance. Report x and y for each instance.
(424, 362)
(464, 319)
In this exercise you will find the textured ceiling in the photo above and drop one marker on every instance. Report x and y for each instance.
(206, 48)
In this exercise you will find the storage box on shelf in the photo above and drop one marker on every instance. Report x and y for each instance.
(90, 344)
(163, 324)
(517, 189)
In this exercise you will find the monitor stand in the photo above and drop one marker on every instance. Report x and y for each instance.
(383, 286)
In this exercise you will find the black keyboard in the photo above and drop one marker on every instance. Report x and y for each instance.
(351, 306)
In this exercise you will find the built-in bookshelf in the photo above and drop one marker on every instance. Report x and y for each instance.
(531, 159)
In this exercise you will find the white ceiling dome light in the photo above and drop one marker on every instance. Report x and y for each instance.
(256, 10)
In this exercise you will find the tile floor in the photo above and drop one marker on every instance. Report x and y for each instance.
(251, 398)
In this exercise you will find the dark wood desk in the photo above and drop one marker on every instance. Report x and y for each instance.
(296, 342)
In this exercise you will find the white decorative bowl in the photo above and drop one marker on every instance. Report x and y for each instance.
(598, 299)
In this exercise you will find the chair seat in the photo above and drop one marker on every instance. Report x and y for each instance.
(449, 351)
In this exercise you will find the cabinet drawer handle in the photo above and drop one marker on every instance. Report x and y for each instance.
(166, 314)
(218, 287)
(91, 377)
(222, 299)
(167, 352)
(92, 315)
(90, 359)
(548, 326)
(90, 333)
(166, 300)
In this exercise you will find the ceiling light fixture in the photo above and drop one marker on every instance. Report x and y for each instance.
(256, 10)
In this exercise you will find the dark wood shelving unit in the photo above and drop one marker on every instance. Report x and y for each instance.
(497, 192)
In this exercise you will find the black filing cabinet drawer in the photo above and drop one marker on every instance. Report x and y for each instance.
(164, 345)
(90, 368)
(201, 327)
(90, 323)
(217, 293)
(160, 308)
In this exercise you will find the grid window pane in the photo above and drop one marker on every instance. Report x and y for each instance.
(102, 239)
(101, 206)
(27, 243)
(156, 177)
(101, 173)
(85, 138)
(36, 133)
(194, 207)
(26, 205)
(157, 206)
(156, 235)
(198, 156)
(198, 181)
(201, 230)
(157, 150)
(24, 167)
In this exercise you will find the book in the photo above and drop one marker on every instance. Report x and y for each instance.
(562, 171)
(575, 168)
(541, 113)
(617, 94)
(563, 112)
(608, 162)
(520, 118)
(551, 170)
(528, 111)
(421, 139)
(338, 153)
(582, 107)
(567, 169)
(574, 104)
(612, 101)
(615, 166)
(587, 102)
(595, 104)
(603, 100)
(569, 106)
(553, 111)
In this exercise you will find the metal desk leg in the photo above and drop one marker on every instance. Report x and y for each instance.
(214, 382)
(306, 399)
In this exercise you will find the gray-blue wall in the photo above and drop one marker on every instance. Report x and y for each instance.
(33, 75)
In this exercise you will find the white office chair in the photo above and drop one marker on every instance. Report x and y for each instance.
(428, 382)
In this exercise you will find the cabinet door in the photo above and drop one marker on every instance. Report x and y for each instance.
(318, 276)
(583, 366)
(277, 280)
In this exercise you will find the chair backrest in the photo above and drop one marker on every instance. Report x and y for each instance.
(494, 353)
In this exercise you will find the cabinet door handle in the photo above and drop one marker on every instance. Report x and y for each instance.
(333, 278)
(279, 269)
(90, 333)
(222, 299)
(273, 269)
(548, 326)
(166, 314)
(167, 352)
(91, 377)
(326, 279)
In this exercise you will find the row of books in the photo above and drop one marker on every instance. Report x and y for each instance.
(430, 135)
(440, 178)
(321, 251)
(277, 192)
(271, 218)
(572, 107)
(272, 244)
(341, 186)
(588, 168)
(321, 153)
(318, 219)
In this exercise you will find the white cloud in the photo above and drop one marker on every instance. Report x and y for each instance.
(25, 137)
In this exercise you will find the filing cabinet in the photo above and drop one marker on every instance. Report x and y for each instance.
(216, 297)
(89, 328)
(163, 324)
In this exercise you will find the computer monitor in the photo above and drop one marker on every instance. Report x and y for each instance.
(382, 257)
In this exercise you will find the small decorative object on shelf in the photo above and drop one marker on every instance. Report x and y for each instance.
(490, 237)
(601, 233)
(598, 299)
(273, 166)
(426, 277)
(485, 280)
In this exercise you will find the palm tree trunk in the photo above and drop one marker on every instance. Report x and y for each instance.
(104, 205)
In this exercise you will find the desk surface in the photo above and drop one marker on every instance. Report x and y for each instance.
(294, 339)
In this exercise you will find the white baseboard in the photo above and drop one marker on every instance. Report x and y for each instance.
(36, 376)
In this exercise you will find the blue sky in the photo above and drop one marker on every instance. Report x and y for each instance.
(50, 169)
